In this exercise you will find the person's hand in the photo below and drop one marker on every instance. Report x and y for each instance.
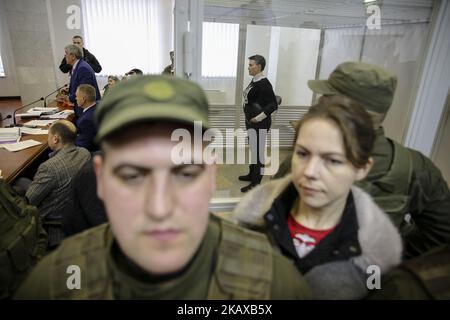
(62, 98)
(64, 90)
(253, 120)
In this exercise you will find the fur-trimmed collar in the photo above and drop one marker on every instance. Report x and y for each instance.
(380, 241)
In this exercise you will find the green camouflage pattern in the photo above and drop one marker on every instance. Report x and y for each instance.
(23, 241)
(369, 84)
(246, 268)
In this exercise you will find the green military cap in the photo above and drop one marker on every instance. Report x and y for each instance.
(150, 98)
(368, 84)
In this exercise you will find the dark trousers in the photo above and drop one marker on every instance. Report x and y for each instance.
(257, 136)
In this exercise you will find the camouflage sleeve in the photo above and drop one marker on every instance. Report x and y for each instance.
(42, 241)
(399, 284)
(429, 208)
(288, 283)
(37, 285)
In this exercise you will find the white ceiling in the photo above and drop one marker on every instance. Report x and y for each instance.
(313, 13)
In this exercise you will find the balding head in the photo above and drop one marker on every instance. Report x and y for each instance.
(64, 131)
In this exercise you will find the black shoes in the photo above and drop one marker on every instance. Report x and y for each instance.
(249, 187)
(254, 177)
(245, 178)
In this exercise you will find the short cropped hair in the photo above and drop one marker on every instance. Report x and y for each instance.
(116, 79)
(134, 71)
(75, 50)
(259, 60)
(77, 36)
(88, 91)
(66, 130)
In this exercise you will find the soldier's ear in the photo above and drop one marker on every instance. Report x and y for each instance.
(98, 162)
(361, 173)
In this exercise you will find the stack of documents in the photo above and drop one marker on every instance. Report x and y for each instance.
(20, 145)
(47, 110)
(29, 113)
(9, 135)
(39, 123)
(37, 112)
(59, 115)
(27, 130)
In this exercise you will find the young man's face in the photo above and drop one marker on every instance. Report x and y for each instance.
(111, 82)
(158, 211)
(77, 41)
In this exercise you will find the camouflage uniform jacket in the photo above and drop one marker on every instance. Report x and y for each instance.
(424, 216)
(231, 263)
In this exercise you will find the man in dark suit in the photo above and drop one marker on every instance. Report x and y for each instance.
(87, 56)
(82, 73)
(83, 208)
(85, 96)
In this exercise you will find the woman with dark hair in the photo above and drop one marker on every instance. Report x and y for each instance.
(259, 103)
(333, 230)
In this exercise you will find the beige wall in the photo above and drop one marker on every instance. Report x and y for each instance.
(60, 34)
(33, 34)
(8, 84)
(31, 47)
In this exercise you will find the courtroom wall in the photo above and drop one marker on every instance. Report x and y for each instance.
(31, 47)
(61, 31)
(8, 84)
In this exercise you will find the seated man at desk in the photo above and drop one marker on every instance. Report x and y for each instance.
(85, 96)
(52, 182)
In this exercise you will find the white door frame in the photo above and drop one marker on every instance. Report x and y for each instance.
(188, 15)
(433, 86)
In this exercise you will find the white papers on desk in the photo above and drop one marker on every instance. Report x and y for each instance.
(39, 123)
(9, 135)
(20, 145)
(59, 115)
(27, 130)
(47, 109)
(29, 114)
(37, 112)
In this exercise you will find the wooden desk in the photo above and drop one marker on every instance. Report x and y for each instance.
(13, 164)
